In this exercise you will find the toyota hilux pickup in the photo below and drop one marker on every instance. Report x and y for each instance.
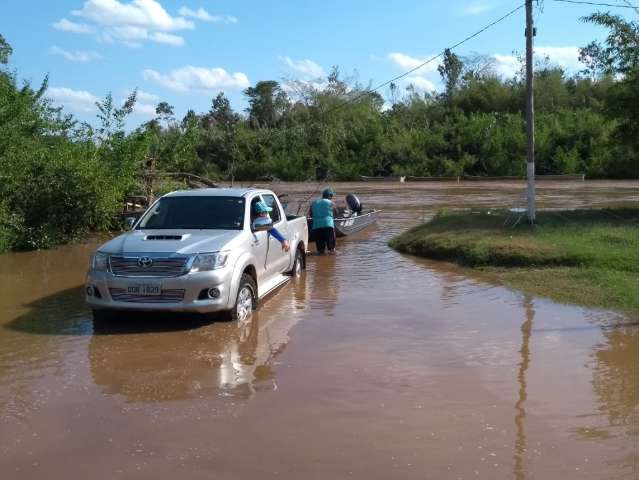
(199, 251)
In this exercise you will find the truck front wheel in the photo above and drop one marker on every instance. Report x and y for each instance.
(245, 302)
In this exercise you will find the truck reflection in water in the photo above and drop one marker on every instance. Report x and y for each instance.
(172, 363)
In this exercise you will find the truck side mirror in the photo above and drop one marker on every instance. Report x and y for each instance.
(262, 224)
(129, 222)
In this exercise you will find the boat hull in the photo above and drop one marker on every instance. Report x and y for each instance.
(345, 226)
(351, 225)
(395, 178)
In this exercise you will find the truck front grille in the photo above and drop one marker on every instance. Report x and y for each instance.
(167, 296)
(139, 267)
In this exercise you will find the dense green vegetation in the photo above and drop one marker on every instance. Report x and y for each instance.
(587, 257)
(61, 178)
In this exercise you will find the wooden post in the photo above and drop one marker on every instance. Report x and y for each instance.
(530, 112)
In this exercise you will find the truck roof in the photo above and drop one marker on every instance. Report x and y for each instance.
(215, 192)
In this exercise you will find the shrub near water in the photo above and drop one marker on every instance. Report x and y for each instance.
(588, 257)
(57, 195)
(57, 179)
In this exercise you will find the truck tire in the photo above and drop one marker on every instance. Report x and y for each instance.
(298, 265)
(102, 315)
(246, 299)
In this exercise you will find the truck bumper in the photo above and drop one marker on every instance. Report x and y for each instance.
(105, 291)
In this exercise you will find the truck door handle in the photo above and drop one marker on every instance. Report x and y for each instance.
(255, 243)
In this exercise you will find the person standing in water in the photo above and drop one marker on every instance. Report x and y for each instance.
(323, 224)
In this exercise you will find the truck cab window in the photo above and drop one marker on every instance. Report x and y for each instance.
(275, 214)
(254, 214)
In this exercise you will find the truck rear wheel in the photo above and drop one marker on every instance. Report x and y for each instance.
(102, 315)
(298, 265)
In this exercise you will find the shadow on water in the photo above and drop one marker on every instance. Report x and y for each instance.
(65, 313)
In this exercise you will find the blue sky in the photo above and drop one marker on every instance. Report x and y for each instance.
(185, 51)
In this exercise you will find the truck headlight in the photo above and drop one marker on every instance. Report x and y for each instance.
(100, 262)
(209, 261)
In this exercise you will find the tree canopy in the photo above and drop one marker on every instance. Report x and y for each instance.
(61, 177)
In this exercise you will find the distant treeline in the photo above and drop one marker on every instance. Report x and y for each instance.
(61, 178)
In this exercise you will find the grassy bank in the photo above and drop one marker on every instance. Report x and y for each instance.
(586, 257)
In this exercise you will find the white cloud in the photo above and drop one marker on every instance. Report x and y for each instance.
(144, 109)
(167, 38)
(408, 63)
(78, 100)
(419, 79)
(130, 23)
(146, 96)
(205, 16)
(305, 67)
(198, 79)
(77, 56)
(421, 84)
(567, 58)
(477, 8)
(506, 66)
(69, 26)
(147, 14)
(298, 89)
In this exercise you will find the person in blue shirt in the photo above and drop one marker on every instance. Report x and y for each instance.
(262, 210)
(323, 224)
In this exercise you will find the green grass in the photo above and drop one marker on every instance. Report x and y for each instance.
(586, 257)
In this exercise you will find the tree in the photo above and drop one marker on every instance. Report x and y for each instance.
(267, 103)
(221, 113)
(112, 119)
(450, 70)
(336, 86)
(620, 52)
(189, 119)
(165, 112)
(5, 51)
(618, 56)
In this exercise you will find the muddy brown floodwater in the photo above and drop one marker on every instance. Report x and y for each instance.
(374, 365)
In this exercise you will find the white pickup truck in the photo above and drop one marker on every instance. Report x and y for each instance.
(198, 251)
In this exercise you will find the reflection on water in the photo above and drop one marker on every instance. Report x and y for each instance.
(615, 380)
(158, 367)
(324, 281)
(372, 365)
(520, 441)
(196, 363)
(616, 385)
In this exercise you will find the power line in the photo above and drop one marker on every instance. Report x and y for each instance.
(597, 4)
(431, 59)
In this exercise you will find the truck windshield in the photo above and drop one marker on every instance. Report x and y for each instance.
(196, 212)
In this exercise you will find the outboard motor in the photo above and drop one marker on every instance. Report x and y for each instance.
(353, 203)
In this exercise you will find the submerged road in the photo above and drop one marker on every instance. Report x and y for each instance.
(373, 365)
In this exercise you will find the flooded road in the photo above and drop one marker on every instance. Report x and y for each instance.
(373, 365)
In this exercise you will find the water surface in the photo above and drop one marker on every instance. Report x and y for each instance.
(374, 365)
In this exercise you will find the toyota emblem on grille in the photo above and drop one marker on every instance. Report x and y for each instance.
(145, 262)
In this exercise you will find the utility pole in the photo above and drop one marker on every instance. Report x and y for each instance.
(530, 112)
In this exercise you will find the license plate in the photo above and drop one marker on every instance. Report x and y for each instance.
(149, 289)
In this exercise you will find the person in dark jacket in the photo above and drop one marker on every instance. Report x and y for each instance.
(262, 209)
(323, 223)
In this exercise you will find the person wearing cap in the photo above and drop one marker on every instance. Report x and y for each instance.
(323, 224)
(262, 210)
